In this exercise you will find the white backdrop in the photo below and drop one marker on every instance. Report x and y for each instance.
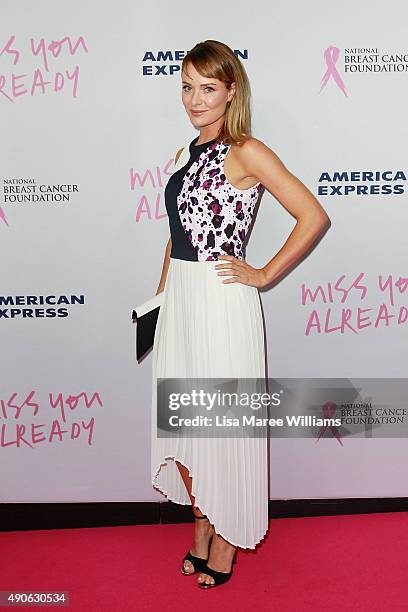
(90, 114)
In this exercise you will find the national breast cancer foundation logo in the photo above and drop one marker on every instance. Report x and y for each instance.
(362, 62)
(27, 191)
(331, 56)
(3, 216)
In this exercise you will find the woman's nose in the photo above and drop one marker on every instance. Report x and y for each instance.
(196, 98)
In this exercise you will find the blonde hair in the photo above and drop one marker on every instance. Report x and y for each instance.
(216, 60)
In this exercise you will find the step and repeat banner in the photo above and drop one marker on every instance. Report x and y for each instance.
(91, 119)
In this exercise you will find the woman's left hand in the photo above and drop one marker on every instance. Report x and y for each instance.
(240, 271)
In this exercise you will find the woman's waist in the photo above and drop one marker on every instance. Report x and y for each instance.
(208, 263)
(203, 274)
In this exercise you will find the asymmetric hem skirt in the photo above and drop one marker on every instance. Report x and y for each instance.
(210, 329)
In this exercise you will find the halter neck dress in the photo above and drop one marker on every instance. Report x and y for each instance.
(209, 329)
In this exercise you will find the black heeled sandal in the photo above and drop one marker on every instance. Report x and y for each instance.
(219, 577)
(197, 562)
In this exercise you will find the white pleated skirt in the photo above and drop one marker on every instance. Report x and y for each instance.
(210, 329)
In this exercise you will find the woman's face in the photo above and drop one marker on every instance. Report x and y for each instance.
(204, 98)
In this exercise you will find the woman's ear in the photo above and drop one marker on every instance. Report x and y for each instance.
(231, 91)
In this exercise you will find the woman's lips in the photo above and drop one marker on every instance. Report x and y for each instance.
(193, 112)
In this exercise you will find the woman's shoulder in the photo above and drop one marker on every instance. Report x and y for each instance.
(251, 145)
(179, 152)
(254, 154)
(184, 149)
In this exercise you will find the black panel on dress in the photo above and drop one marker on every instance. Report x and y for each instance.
(181, 247)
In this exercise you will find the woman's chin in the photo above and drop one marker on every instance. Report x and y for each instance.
(198, 122)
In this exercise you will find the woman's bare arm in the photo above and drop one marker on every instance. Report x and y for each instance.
(166, 263)
(312, 220)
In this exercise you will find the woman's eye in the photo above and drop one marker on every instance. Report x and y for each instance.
(206, 89)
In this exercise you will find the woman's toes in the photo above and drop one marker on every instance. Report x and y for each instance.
(205, 579)
(188, 567)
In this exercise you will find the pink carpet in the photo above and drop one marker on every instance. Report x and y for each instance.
(353, 562)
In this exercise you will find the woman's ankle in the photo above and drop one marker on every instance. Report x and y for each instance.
(221, 548)
(198, 514)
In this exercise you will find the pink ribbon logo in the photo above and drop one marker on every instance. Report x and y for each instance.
(3, 216)
(331, 55)
(329, 410)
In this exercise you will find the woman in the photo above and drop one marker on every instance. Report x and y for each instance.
(210, 323)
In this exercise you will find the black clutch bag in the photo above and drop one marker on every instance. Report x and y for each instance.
(145, 316)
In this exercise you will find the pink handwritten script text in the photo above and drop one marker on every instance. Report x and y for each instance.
(27, 422)
(149, 188)
(328, 316)
(49, 72)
